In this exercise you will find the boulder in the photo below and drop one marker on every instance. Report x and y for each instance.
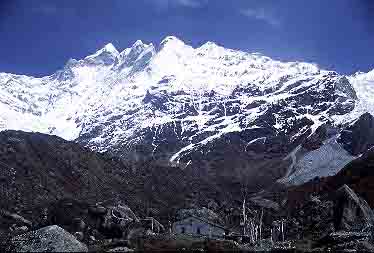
(123, 212)
(350, 211)
(47, 239)
(117, 221)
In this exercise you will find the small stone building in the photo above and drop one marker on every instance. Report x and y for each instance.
(197, 226)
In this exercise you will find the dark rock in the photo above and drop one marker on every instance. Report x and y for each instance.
(118, 221)
(14, 218)
(156, 101)
(350, 211)
(359, 137)
(79, 224)
(317, 138)
(46, 168)
(123, 212)
(98, 210)
(79, 236)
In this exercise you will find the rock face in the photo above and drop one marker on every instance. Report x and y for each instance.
(351, 212)
(320, 156)
(359, 137)
(37, 169)
(118, 221)
(12, 218)
(48, 239)
(224, 114)
(357, 175)
(331, 218)
(49, 181)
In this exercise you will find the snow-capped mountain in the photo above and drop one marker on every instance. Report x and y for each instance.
(223, 113)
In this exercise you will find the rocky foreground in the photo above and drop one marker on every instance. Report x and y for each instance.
(59, 196)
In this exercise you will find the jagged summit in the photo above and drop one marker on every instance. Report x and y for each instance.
(135, 57)
(364, 76)
(170, 39)
(138, 43)
(208, 45)
(104, 56)
(108, 48)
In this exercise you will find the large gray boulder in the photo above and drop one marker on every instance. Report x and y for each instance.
(48, 239)
(351, 212)
(117, 221)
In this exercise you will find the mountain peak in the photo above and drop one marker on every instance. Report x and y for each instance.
(139, 46)
(105, 56)
(369, 76)
(138, 43)
(139, 52)
(110, 48)
(171, 40)
(209, 44)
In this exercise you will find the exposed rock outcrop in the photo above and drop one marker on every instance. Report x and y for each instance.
(359, 137)
(351, 212)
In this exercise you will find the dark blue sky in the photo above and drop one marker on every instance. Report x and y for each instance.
(37, 37)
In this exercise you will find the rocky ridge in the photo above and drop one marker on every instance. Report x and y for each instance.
(172, 104)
